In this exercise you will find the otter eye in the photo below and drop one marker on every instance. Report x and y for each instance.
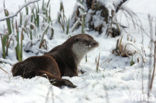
(77, 39)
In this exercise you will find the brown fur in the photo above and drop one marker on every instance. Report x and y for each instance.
(66, 58)
(60, 61)
(44, 66)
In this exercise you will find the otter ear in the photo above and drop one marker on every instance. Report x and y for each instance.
(77, 39)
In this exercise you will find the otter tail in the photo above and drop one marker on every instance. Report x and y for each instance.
(57, 81)
(62, 82)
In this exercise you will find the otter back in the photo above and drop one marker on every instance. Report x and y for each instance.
(44, 66)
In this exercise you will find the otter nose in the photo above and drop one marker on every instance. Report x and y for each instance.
(94, 43)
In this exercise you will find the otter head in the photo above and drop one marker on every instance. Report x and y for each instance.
(82, 44)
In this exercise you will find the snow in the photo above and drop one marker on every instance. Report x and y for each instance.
(144, 7)
(13, 5)
(115, 82)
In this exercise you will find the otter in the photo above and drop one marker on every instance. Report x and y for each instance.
(69, 54)
(60, 61)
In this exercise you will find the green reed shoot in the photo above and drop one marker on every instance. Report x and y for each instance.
(4, 40)
(19, 47)
(6, 12)
(83, 24)
(42, 38)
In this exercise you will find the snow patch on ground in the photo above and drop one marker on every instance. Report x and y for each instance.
(115, 82)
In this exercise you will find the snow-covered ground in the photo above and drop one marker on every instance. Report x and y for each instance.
(115, 82)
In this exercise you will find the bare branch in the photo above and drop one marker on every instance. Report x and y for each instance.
(11, 16)
(119, 5)
(154, 67)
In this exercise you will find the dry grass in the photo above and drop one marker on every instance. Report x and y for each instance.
(152, 59)
(97, 61)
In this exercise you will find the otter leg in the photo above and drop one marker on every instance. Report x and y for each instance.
(70, 72)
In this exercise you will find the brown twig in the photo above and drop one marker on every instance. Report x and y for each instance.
(153, 72)
(26, 4)
(4, 70)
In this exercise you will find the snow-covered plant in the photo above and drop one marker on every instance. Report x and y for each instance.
(130, 48)
(5, 40)
(124, 49)
(61, 18)
(6, 12)
(19, 46)
(98, 15)
(81, 20)
(28, 23)
(43, 41)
